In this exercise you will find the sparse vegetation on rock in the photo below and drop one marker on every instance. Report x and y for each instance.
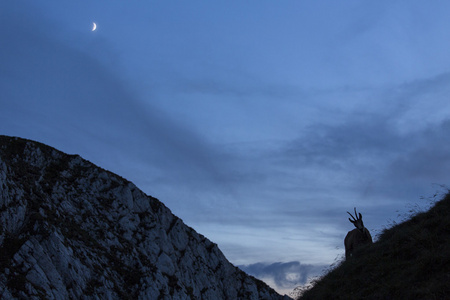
(71, 230)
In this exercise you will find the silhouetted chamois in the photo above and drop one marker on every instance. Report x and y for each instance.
(356, 237)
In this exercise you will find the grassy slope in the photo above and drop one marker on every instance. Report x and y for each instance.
(409, 261)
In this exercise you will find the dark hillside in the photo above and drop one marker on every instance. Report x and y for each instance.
(409, 261)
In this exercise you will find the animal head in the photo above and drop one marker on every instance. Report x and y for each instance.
(358, 222)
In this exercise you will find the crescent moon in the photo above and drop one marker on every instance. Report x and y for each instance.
(94, 26)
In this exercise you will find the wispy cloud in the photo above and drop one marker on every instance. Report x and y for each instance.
(73, 101)
(268, 139)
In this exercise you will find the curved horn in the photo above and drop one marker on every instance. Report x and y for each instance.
(352, 217)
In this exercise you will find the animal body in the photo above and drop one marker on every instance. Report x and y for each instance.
(356, 237)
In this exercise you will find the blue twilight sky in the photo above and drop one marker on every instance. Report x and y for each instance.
(259, 123)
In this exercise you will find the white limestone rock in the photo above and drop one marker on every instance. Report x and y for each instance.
(71, 230)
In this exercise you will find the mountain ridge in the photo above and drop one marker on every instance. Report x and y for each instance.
(72, 230)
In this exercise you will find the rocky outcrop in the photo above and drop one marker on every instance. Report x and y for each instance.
(71, 230)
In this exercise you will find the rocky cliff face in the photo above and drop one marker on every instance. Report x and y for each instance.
(71, 230)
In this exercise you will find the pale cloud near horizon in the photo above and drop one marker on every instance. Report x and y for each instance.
(287, 275)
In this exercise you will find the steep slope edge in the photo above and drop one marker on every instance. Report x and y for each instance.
(409, 261)
(71, 230)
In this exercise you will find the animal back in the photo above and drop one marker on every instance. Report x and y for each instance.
(361, 237)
